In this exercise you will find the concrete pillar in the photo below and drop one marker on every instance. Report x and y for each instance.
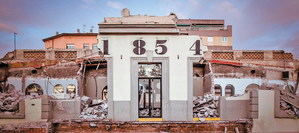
(50, 55)
(238, 55)
(253, 104)
(19, 54)
(268, 55)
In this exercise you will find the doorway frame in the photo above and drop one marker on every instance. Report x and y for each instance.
(134, 85)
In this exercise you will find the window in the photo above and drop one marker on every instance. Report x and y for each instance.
(94, 46)
(218, 91)
(210, 39)
(33, 88)
(58, 89)
(224, 39)
(104, 93)
(85, 46)
(70, 46)
(149, 70)
(71, 89)
(229, 90)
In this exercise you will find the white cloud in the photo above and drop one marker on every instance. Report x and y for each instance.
(115, 5)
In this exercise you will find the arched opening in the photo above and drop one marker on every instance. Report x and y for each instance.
(58, 89)
(71, 89)
(252, 87)
(229, 90)
(105, 93)
(218, 90)
(290, 89)
(34, 88)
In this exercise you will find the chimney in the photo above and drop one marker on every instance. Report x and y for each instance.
(125, 12)
(91, 30)
(78, 30)
(57, 32)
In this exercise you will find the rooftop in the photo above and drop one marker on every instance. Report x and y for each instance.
(200, 21)
(69, 34)
(127, 18)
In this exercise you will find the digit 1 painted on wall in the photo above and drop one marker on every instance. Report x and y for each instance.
(106, 48)
(139, 47)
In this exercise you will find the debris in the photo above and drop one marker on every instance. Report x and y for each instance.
(143, 112)
(9, 100)
(92, 124)
(205, 106)
(93, 109)
(108, 127)
(156, 112)
(85, 101)
(146, 112)
(289, 109)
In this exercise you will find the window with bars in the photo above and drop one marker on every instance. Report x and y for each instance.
(58, 89)
(70, 46)
(229, 90)
(224, 39)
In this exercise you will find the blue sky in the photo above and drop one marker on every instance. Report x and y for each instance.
(257, 24)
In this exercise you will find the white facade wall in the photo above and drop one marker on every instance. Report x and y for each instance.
(239, 84)
(121, 51)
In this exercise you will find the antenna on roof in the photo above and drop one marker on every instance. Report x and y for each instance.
(84, 27)
(91, 29)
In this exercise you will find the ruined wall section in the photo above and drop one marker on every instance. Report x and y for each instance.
(207, 81)
(244, 69)
(46, 77)
(96, 81)
(243, 76)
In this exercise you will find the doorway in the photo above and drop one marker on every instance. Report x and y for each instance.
(150, 90)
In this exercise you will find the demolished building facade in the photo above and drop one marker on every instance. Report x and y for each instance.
(151, 68)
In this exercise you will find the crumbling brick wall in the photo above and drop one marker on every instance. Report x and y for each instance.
(35, 55)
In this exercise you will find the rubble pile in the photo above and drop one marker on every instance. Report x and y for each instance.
(93, 109)
(289, 109)
(205, 106)
(9, 100)
(146, 112)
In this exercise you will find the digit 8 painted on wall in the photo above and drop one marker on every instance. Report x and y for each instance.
(139, 47)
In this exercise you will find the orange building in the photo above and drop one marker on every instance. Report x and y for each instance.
(71, 41)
